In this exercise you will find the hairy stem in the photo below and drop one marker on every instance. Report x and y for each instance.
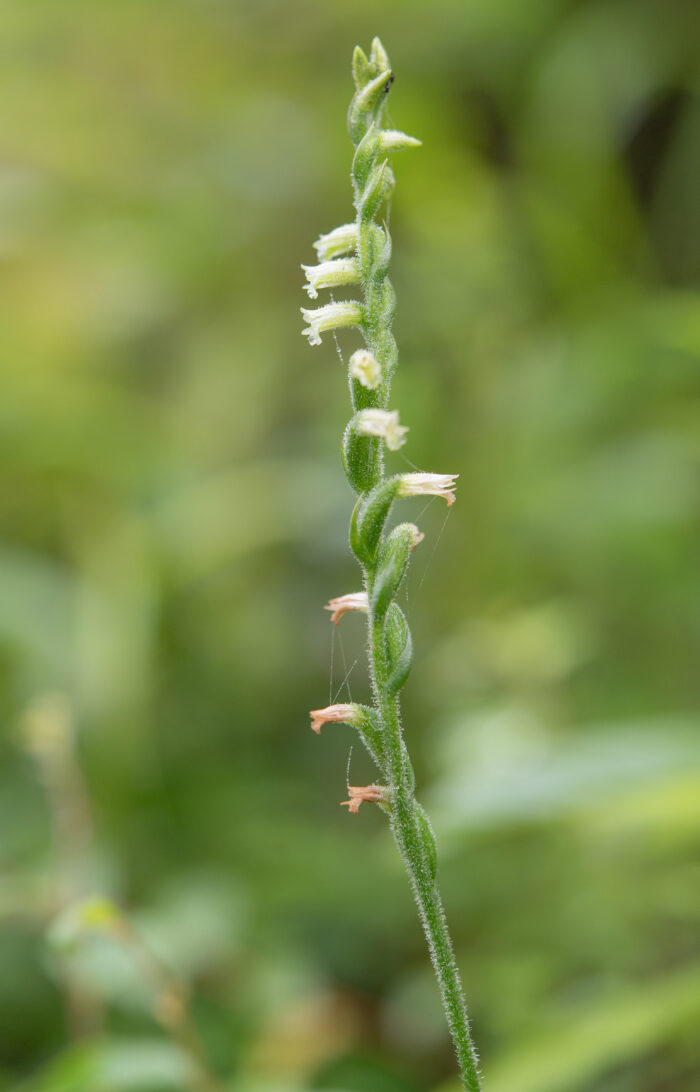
(405, 825)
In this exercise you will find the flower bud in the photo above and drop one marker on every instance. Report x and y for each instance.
(378, 56)
(360, 67)
(365, 102)
(392, 565)
(392, 140)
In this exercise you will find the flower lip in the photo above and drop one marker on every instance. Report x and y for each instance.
(436, 485)
(353, 601)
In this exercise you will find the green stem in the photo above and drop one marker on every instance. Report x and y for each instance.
(410, 840)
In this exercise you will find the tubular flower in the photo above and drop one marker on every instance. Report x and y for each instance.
(360, 794)
(341, 240)
(436, 485)
(344, 603)
(330, 317)
(382, 423)
(331, 275)
(339, 714)
(364, 367)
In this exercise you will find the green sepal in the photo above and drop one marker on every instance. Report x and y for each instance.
(367, 102)
(360, 68)
(399, 649)
(391, 567)
(368, 519)
(428, 842)
(361, 458)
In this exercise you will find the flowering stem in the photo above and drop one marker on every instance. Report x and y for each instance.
(383, 556)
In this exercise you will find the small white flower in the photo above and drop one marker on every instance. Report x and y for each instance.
(331, 275)
(364, 367)
(392, 140)
(341, 240)
(344, 603)
(382, 423)
(436, 485)
(330, 317)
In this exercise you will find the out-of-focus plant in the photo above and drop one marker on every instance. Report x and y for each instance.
(359, 253)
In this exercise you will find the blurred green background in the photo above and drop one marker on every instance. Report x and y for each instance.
(173, 517)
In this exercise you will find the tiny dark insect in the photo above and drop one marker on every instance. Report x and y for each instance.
(388, 83)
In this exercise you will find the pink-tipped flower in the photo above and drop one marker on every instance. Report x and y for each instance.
(382, 423)
(339, 714)
(361, 794)
(435, 485)
(344, 603)
(331, 317)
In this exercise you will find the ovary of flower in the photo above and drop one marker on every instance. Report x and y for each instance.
(331, 275)
(330, 317)
(360, 794)
(382, 423)
(340, 714)
(344, 603)
(436, 485)
(364, 367)
(342, 240)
